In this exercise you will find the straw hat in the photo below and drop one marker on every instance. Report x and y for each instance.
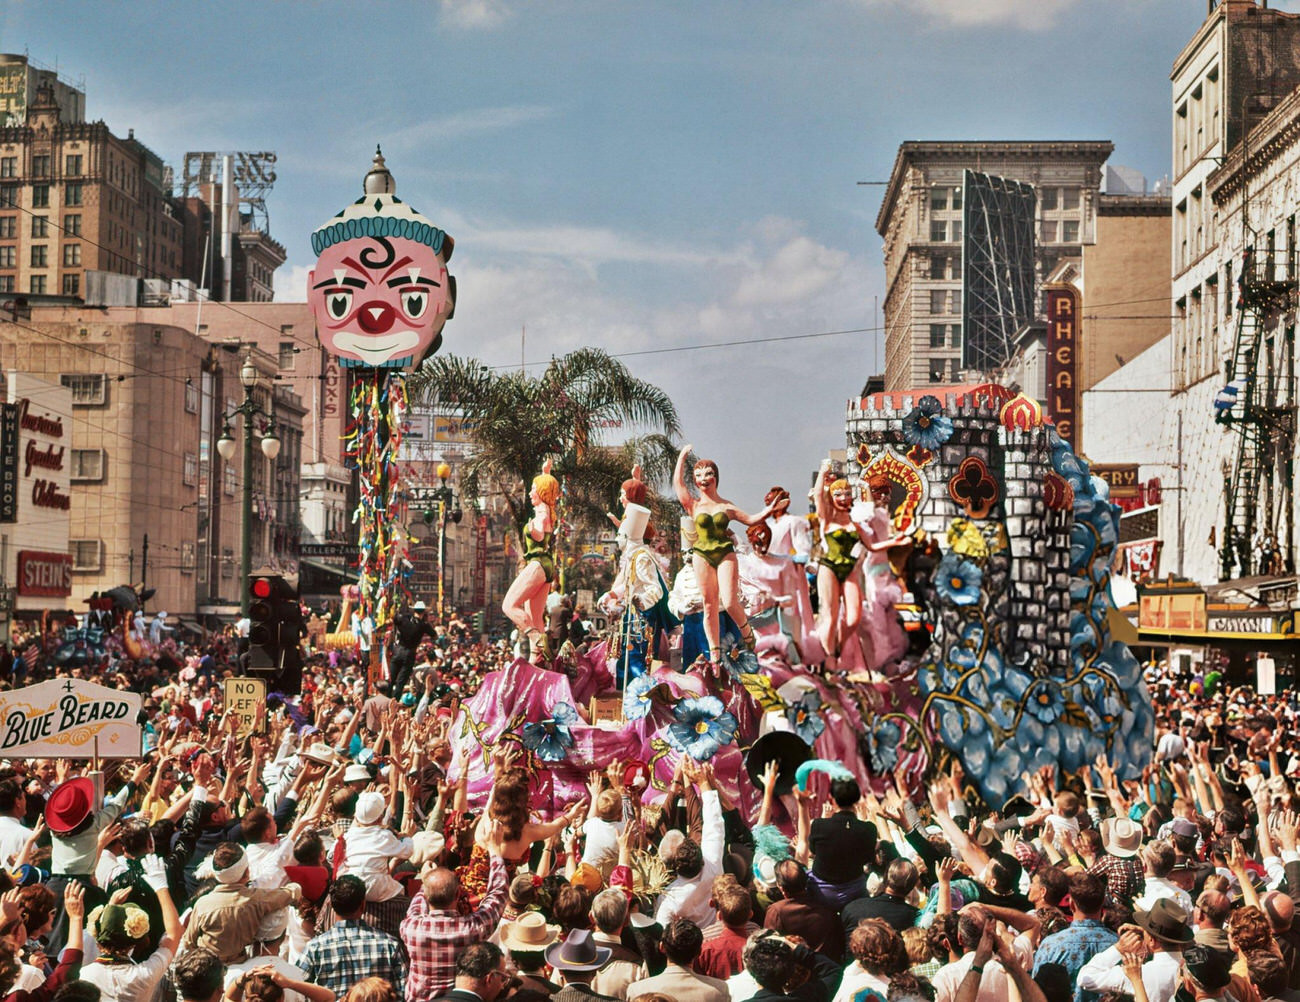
(529, 933)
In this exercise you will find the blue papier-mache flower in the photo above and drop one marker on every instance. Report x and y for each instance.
(958, 580)
(636, 697)
(805, 716)
(702, 726)
(550, 739)
(883, 743)
(739, 660)
(1045, 701)
(926, 425)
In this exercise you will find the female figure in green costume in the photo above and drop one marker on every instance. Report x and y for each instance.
(844, 543)
(713, 553)
(525, 601)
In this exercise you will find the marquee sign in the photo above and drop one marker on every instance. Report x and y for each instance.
(70, 718)
(1063, 359)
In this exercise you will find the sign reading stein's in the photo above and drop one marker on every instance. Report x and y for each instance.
(70, 718)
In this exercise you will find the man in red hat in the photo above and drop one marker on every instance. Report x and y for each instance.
(75, 824)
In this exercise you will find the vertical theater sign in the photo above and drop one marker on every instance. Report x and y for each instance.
(35, 491)
(1063, 360)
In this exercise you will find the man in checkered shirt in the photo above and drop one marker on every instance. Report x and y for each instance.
(434, 932)
(352, 950)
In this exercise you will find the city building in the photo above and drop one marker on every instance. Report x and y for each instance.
(148, 401)
(20, 79)
(76, 198)
(921, 220)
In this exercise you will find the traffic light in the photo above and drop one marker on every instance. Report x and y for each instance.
(274, 630)
(480, 622)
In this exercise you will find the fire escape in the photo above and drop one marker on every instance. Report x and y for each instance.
(1259, 405)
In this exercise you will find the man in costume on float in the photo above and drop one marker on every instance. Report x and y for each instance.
(641, 592)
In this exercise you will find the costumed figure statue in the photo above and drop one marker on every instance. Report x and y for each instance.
(792, 544)
(844, 542)
(762, 583)
(713, 553)
(641, 594)
(525, 601)
(884, 572)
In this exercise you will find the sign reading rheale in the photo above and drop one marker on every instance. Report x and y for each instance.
(69, 718)
(1063, 359)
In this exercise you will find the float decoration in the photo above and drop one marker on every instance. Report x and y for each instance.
(380, 293)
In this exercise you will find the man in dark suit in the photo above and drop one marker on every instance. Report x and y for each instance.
(799, 914)
(842, 845)
(891, 905)
(480, 975)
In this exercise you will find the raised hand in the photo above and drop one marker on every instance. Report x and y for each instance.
(74, 900)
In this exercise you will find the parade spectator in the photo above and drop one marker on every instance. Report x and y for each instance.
(351, 950)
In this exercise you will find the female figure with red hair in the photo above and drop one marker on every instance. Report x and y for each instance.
(839, 580)
(713, 555)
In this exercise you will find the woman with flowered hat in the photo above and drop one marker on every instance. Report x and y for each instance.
(119, 929)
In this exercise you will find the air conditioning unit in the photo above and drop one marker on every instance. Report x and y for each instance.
(155, 292)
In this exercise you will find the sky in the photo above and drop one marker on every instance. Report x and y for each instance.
(635, 176)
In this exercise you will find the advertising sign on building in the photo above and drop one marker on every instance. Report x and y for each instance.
(70, 718)
(44, 575)
(1174, 611)
(8, 463)
(1063, 359)
(480, 561)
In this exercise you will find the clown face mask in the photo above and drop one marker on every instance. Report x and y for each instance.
(380, 302)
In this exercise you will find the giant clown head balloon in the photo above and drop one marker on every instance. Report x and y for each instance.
(381, 291)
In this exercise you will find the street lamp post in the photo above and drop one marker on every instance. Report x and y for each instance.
(248, 376)
(448, 510)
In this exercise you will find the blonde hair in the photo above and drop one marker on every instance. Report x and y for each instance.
(372, 990)
(837, 485)
(609, 806)
(547, 488)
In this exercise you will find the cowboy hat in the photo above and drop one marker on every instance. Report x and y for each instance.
(529, 933)
(70, 805)
(1122, 837)
(578, 952)
(1166, 921)
(427, 846)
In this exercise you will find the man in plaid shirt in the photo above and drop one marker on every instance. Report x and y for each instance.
(435, 932)
(352, 950)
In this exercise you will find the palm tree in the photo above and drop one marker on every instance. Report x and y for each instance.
(516, 420)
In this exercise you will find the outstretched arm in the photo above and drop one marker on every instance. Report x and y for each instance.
(819, 492)
(679, 481)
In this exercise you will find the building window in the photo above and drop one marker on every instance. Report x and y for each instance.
(73, 164)
(187, 556)
(229, 480)
(191, 397)
(938, 231)
(71, 255)
(40, 196)
(190, 470)
(287, 352)
(41, 165)
(956, 197)
(8, 257)
(936, 335)
(36, 286)
(87, 554)
(954, 335)
(938, 264)
(72, 195)
(9, 195)
(938, 300)
(72, 224)
(936, 370)
(1047, 198)
(8, 166)
(87, 464)
(1048, 235)
(938, 198)
(8, 227)
(40, 256)
(6, 283)
(72, 285)
(1069, 198)
(1070, 231)
(88, 389)
(40, 227)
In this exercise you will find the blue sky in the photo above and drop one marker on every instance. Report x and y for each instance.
(632, 175)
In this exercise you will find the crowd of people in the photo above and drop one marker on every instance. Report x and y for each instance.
(337, 855)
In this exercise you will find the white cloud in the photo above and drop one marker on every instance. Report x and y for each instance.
(798, 270)
(291, 286)
(477, 121)
(1029, 15)
(474, 15)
